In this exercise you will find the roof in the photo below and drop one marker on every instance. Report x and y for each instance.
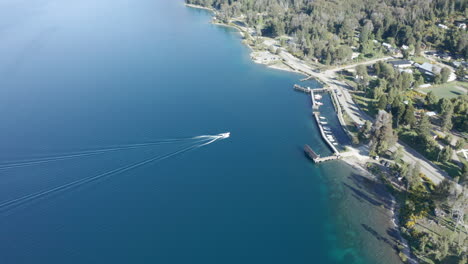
(386, 45)
(428, 67)
(400, 62)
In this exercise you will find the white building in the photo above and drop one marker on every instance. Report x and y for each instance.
(442, 26)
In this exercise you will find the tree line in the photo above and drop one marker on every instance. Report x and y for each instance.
(326, 30)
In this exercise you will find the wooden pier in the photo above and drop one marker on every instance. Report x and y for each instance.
(297, 87)
(312, 92)
(321, 90)
(315, 157)
(302, 89)
(315, 106)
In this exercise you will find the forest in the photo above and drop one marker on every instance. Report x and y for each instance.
(326, 30)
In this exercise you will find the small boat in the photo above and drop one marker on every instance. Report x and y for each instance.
(324, 118)
(335, 144)
(319, 103)
(317, 97)
(225, 135)
(331, 140)
(323, 123)
(326, 128)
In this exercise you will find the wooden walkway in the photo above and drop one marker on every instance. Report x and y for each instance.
(316, 158)
(302, 89)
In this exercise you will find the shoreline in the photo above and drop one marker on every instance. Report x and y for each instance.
(353, 162)
(393, 208)
(200, 7)
(284, 66)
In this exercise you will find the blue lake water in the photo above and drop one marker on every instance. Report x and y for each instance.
(80, 74)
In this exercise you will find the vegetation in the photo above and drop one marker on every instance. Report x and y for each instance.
(330, 30)
(382, 134)
(431, 216)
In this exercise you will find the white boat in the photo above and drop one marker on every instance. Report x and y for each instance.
(323, 123)
(331, 140)
(225, 135)
(319, 103)
(324, 118)
(326, 128)
(317, 97)
(335, 144)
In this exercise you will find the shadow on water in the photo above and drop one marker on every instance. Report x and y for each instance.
(379, 237)
(370, 190)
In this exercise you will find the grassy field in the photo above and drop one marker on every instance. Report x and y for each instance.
(447, 90)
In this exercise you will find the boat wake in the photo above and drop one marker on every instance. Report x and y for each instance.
(195, 143)
(93, 152)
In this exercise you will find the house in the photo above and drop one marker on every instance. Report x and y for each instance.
(387, 46)
(445, 56)
(355, 55)
(460, 25)
(401, 64)
(428, 69)
(442, 26)
(457, 64)
(439, 213)
(410, 71)
(431, 114)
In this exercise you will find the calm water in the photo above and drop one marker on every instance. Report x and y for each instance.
(83, 74)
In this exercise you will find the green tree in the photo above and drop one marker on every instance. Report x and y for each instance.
(446, 109)
(408, 118)
(446, 154)
(424, 126)
(382, 104)
(460, 72)
(417, 49)
(460, 143)
(412, 176)
(379, 89)
(431, 100)
(382, 135)
(398, 154)
(438, 78)
(445, 74)
(361, 71)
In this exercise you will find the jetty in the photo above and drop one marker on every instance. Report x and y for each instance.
(316, 157)
(327, 136)
(312, 92)
(315, 106)
(324, 136)
(302, 89)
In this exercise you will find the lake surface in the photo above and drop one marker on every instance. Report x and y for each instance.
(79, 75)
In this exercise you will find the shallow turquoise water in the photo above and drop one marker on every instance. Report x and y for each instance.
(85, 74)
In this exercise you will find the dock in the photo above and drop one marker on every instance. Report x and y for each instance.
(315, 157)
(312, 93)
(315, 107)
(332, 147)
(302, 89)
